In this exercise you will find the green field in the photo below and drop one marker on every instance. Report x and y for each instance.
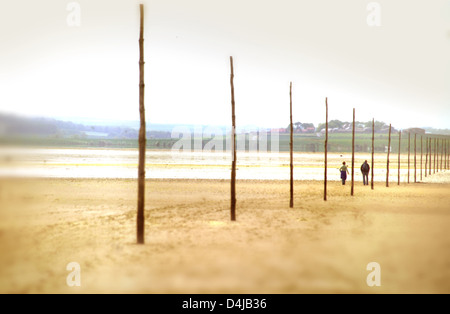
(338, 142)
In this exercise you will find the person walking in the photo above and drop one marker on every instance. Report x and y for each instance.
(344, 172)
(365, 169)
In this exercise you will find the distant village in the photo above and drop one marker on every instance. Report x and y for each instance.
(337, 126)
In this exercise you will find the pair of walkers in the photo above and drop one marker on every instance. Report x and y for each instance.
(365, 168)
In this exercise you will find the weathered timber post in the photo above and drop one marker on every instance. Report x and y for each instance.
(233, 146)
(426, 156)
(415, 158)
(399, 151)
(142, 138)
(421, 156)
(353, 154)
(326, 151)
(409, 152)
(291, 147)
(388, 154)
(373, 151)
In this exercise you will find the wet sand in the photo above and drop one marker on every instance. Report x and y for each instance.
(193, 247)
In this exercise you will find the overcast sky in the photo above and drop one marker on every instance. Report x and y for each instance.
(397, 72)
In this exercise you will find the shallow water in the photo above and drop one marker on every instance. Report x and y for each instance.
(122, 163)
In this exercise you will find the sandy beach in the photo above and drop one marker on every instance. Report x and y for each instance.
(193, 247)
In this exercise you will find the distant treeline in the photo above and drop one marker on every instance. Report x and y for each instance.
(55, 133)
(14, 126)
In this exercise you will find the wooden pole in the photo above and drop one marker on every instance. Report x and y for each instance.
(389, 151)
(448, 161)
(426, 157)
(353, 155)
(430, 157)
(291, 144)
(434, 159)
(142, 138)
(233, 146)
(442, 152)
(373, 151)
(446, 154)
(415, 158)
(399, 151)
(437, 155)
(409, 152)
(421, 156)
(326, 152)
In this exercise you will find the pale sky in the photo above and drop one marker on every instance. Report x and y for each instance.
(397, 72)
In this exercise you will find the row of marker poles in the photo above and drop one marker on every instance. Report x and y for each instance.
(436, 158)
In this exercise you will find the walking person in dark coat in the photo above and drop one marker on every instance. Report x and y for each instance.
(365, 169)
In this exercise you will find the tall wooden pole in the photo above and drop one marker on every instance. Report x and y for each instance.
(233, 146)
(415, 158)
(437, 155)
(421, 156)
(326, 151)
(373, 151)
(389, 151)
(399, 151)
(291, 144)
(434, 159)
(426, 157)
(353, 155)
(446, 154)
(142, 138)
(409, 152)
(448, 161)
(431, 156)
(442, 152)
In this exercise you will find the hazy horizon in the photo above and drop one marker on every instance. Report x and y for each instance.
(136, 123)
(397, 72)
